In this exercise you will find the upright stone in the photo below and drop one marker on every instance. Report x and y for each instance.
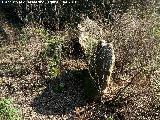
(101, 65)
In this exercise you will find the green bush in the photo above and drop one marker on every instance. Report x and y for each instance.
(54, 68)
(52, 51)
(23, 38)
(59, 88)
(7, 111)
(156, 31)
(110, 118)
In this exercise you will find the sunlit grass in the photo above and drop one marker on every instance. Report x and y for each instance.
(7, 111)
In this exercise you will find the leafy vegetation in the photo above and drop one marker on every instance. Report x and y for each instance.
(53, 49)
(59, 88)
(156, 31)
(7, 111)
(110, 118)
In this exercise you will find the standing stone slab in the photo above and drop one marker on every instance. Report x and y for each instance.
(101, 65)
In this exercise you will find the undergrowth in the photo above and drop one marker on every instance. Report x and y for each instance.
(7, 111)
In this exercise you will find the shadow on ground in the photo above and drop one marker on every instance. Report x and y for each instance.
(57, 102)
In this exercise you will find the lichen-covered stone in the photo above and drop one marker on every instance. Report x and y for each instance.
(101, 65)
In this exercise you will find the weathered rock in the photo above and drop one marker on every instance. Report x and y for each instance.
(101, 65)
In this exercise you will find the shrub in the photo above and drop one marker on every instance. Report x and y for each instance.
(54, 68)
(110, 118)
(134, 44)
(89, 35)
(23, 38)
(7, 111)
(52, 50)
(59, 88)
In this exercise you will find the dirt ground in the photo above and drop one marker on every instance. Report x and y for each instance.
(36, 98)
